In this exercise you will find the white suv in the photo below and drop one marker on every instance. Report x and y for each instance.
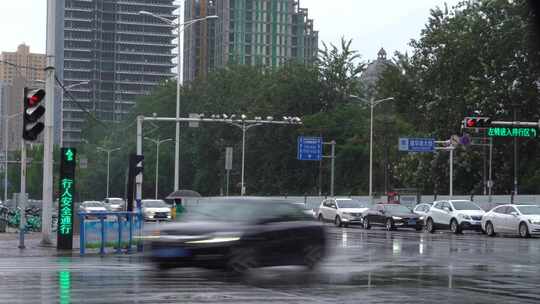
(458, 215)
(341, 211)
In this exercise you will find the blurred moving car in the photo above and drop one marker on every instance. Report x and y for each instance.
(422, 209)
(521, 219)
(341, 211)
(115, 204)
(458, 215)
(392, 217)
(239, 234)
(154, 210)
(92, 207)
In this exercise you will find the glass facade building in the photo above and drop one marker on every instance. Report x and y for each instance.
(253, 32)
(119, 52)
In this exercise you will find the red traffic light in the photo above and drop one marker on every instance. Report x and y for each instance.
(33, 112)
(35, 97)
(477, 122)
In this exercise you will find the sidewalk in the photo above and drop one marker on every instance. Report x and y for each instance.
(9, 246)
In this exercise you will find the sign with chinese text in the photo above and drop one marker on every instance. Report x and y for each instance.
(417, 144)
(310, 148)
(65, 201)
(512, 132)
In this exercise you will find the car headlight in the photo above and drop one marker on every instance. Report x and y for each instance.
(534, 222)
(421, 218)
(396, 218)
(464, 216)
(218, 238)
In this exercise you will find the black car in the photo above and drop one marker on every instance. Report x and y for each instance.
(239, 234)
(391, 216)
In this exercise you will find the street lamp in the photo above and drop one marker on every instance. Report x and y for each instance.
(372, 104)
(245, 125)
(108, 151)
(180, 27)
(158, 143)
(65, 89)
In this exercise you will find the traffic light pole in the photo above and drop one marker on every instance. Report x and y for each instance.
(22, 196)
(48, 139)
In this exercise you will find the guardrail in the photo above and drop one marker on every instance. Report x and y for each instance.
(131, 221)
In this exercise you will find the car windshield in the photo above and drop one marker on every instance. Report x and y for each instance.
(116, 201)
(529, 210)
(243, 211)
(93, 204)
(465, 206)
(397, 209)
(154, 204)
(351, 204)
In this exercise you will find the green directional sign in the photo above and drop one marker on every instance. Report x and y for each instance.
(512, 132)
(65, 201)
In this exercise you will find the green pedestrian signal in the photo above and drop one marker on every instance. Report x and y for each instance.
(69, 154)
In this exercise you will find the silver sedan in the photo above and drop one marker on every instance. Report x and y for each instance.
(523, 220)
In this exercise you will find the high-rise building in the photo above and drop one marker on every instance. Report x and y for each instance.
(254, 32)
(117, 54)
(22, 64)
(18, 69)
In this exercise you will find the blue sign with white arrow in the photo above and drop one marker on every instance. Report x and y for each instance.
(310, 148)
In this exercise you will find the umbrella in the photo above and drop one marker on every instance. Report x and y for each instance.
(180, 194)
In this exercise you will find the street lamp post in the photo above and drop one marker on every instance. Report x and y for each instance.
(180, 27)
(108, 151)
(372, 104)
(158, 142)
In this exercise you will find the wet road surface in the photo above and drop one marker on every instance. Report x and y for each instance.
(364, 267)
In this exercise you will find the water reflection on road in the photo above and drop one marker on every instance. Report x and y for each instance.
(373, 266)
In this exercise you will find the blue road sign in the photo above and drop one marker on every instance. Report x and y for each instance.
(417, 144)
(310, 148)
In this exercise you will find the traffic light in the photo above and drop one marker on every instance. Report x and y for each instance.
(476, 122)
(135, 169)
(33, 111)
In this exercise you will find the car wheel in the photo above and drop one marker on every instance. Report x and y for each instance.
(313, 254)
(321, 218)
(389, 225)
(241, 260)
(454, 226)
(337, 221)
(430, 226)
(524, 230)
(489, 229)
(366, 224)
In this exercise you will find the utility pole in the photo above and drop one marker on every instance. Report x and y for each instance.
(22, 196)
(332, 157)
(48, 138)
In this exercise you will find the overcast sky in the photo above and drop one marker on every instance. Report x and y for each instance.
(371, 24)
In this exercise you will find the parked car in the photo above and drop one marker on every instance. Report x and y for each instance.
(392, 217)
(521, 219)
(115, 204)
(154, 210)
(239, 234)
(341, 211)
(92, 207)
(422, 209)
(456, 215)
